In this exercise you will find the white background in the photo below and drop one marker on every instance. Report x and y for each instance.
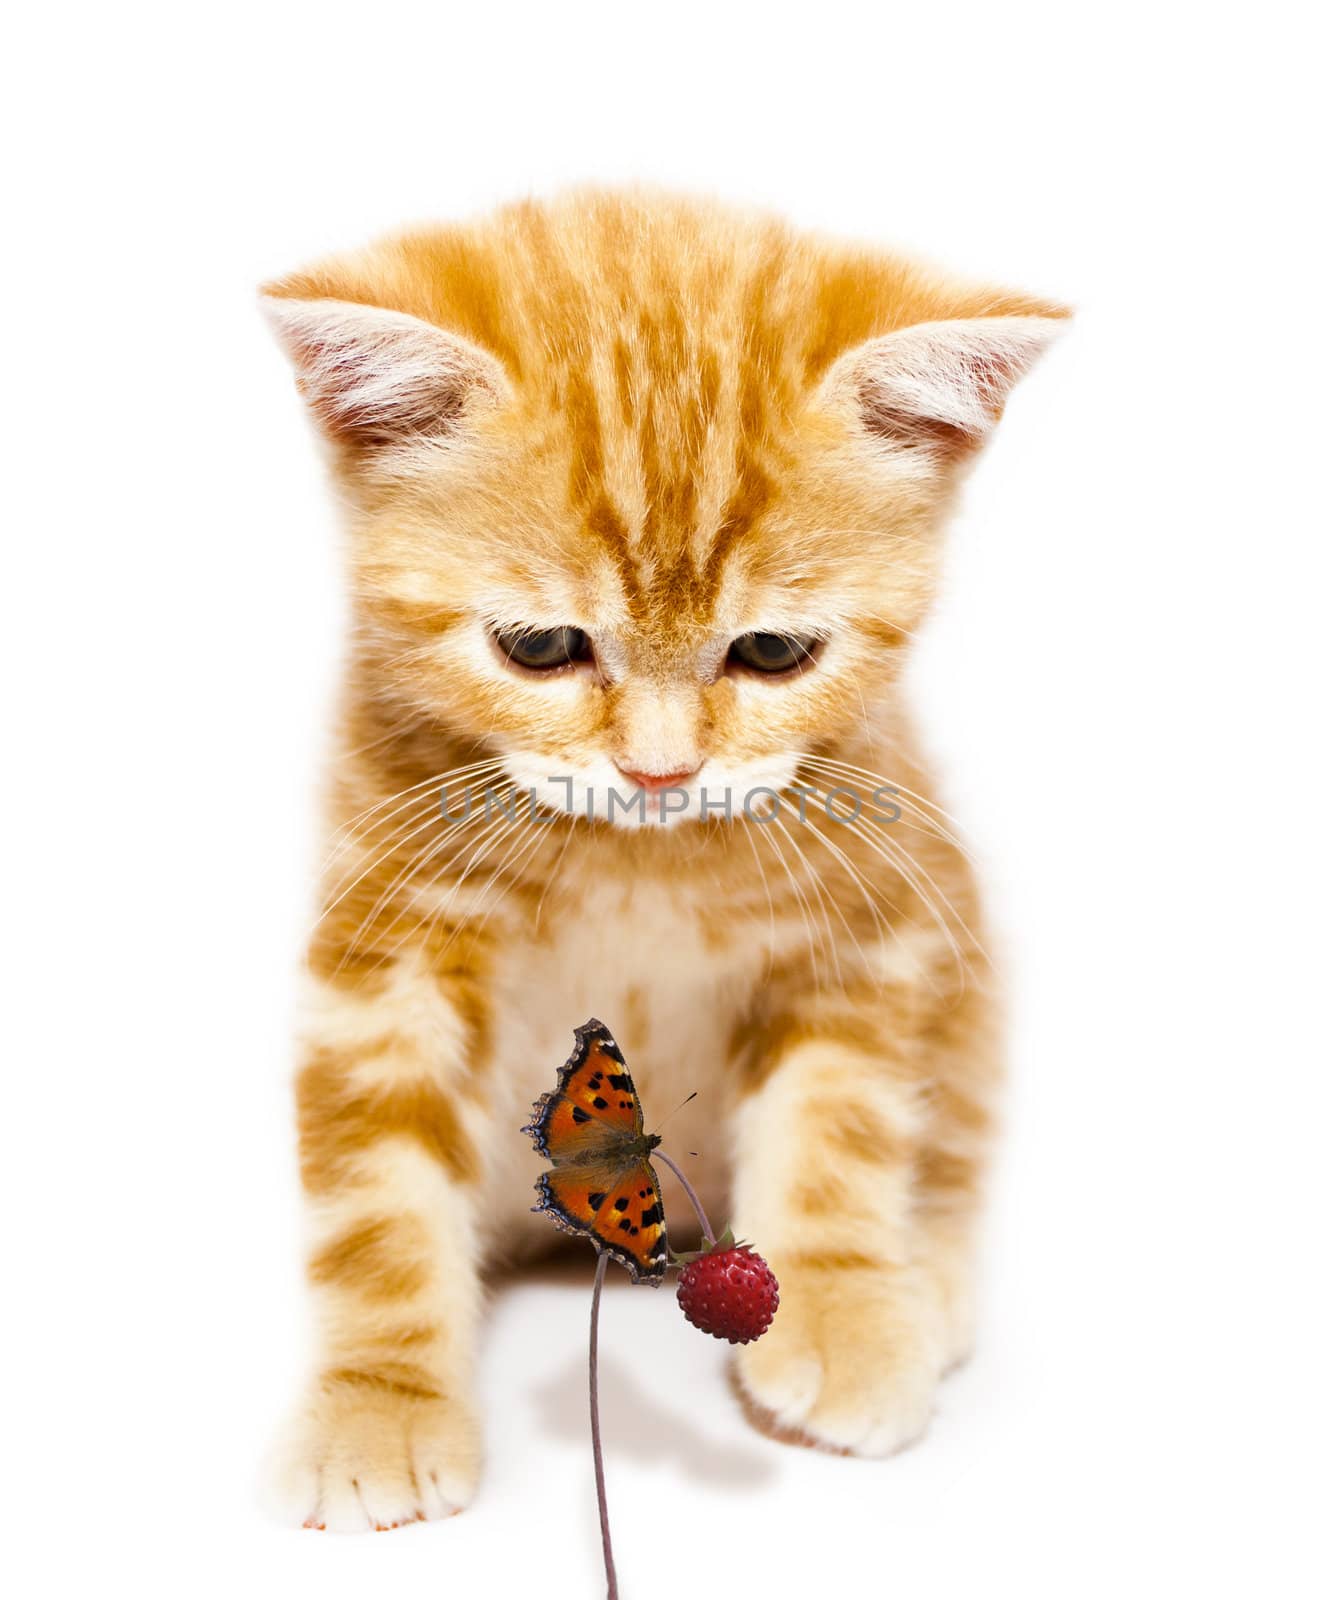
(1125, 684)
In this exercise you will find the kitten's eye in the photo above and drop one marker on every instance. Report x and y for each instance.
(542, 650)
(771, 652)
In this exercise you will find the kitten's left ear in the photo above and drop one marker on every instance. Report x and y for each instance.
(939, 387)
(374, 377)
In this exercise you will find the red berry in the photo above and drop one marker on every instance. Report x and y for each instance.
(731, 1294)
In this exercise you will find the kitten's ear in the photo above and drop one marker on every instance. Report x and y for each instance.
(374, 377)
(939, 387)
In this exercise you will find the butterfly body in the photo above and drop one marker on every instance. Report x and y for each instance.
(601, 1183)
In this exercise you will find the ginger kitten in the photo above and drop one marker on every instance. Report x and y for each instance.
(643, 502)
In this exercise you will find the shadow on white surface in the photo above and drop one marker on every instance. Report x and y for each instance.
(651, 1428)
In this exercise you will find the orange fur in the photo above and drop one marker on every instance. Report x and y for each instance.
(666, 424)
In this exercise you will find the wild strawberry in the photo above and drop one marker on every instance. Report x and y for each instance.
(729, 1292)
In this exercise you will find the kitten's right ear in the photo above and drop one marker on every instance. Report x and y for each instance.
(375, 378)
(938, 388)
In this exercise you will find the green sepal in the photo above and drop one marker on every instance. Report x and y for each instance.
(726, 1240)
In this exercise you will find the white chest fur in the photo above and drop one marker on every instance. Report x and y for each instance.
(637, 958)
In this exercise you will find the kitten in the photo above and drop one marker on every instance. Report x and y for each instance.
(643, 500)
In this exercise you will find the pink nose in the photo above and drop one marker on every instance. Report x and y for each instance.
(653, 781)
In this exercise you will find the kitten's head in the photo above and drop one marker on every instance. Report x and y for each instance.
(645, 490)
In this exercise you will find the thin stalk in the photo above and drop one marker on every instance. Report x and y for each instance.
(709, 1239)
(612, 1592)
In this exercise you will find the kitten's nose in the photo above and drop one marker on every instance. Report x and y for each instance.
(653, 781)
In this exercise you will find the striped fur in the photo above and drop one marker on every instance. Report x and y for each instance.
(666, 424)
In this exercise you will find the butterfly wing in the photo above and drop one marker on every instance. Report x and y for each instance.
(593, 1104)
(619, 1207)
(601, 1183)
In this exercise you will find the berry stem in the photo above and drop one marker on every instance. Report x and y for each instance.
(612, 1592)
(709, 1238)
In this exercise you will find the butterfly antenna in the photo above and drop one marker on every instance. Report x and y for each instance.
(692, 1096)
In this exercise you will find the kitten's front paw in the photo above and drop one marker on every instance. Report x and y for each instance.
(852, 1360)
(364, 1455)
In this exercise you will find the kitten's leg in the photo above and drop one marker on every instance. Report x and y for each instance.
(961, 1056)
(832, 1142)
(389, 1161)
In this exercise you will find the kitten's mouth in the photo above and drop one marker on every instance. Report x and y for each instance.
(653, 800)
(636, 798)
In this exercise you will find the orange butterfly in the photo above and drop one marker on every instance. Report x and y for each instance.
(601, 1182)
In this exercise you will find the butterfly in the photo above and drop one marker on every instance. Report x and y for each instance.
(601, 1182)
